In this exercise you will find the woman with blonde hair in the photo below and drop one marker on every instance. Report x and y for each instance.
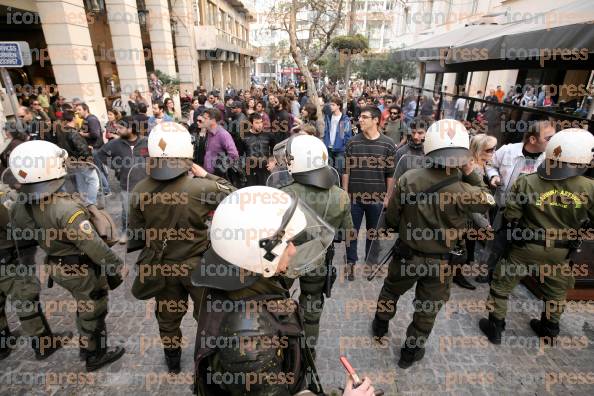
(482, 149)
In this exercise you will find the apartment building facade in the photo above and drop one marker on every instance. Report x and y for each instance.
(102, 50)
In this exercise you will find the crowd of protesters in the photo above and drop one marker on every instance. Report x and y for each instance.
(234, 135)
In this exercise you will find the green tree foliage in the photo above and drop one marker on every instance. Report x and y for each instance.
(332, 66)
(384, 67)
(354, 43)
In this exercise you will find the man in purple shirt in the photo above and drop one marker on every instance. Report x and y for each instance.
(219, 144)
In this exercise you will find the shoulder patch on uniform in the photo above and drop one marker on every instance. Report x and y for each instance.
(86, 227)
(222, 187)
(75, 215)
(488, 198)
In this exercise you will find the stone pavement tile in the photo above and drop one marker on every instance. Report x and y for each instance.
(345, 329)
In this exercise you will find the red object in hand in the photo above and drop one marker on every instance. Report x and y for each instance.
(349, 369)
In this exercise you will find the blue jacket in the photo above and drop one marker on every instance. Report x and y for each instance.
(343, 132)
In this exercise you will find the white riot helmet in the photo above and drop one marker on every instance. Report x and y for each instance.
(171, 151)
(568, 153)
(447, 143)
(306, 159)
(250, 230)
(38, 166)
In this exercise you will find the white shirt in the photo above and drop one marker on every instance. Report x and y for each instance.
(295, 107)
(504, 161)
(333, 128)
(460, 104)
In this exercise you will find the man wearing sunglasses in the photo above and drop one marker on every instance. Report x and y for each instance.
(40, 114)
(532, 147)
(394, 126)
(27, 124)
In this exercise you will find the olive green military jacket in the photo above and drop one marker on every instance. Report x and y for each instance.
(153, 205)
(332, 205)
(551, 204)
(553, 209)
(65, 229)
(434, 223)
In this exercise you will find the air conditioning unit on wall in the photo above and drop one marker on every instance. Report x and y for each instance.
(215, 55)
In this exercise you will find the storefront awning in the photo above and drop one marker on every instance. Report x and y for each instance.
(436, 47)
(558, 34)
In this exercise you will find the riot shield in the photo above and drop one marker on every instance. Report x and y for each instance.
(495, 247)
(380, 250)
(281, 177)
(88, 182)
(132, 176)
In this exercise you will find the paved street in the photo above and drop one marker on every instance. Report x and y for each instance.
(459, 361)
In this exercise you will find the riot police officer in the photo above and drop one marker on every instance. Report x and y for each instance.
(168, 217)
(314, 182)
(78, 259)
(430, 209)
(545, 212)
(18, 281)
(250, 338)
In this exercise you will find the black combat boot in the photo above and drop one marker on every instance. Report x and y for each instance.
(464, 283)
(379, 327)
(545, 329)
(102, 355)
(173, 359)
(492, 328)
(409, 355)
(5, 349)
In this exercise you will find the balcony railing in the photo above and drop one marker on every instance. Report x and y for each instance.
(209, 37)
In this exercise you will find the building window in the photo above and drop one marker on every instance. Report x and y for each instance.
(222, 20)
(212, 14)
(196, 13)
(375, 6)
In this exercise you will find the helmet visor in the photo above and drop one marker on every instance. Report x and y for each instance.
(310, 235)
(282, 153)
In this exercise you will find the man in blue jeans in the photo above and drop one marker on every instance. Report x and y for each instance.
(368, 177)
(337, 134)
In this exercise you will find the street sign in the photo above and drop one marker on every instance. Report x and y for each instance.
(15, 54)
